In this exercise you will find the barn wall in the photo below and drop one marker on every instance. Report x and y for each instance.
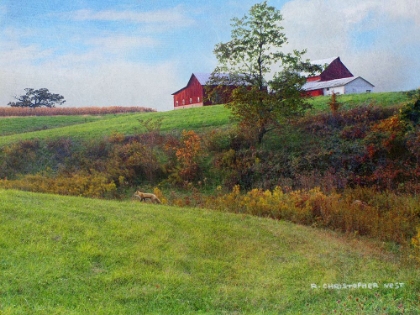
(192, 94)
(314, 78)
(336, 90)
(189, 106)
(314, 93)
(358, 86)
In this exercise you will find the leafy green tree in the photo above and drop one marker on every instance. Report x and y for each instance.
(262, 97)
(37, 98)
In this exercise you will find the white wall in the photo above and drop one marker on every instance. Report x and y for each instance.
(336, 90)
(358, 86)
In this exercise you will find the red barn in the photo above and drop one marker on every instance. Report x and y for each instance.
(194, 93)
(335, 78)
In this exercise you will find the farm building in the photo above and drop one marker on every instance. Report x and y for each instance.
(335, 78)
(194, 93)
(350, 85)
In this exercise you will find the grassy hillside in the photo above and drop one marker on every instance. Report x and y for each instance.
(89, 127)
(20, 125)
(349, 101)
(70, 255)
(191, 119)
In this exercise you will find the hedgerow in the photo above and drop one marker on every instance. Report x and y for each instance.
(54, 111)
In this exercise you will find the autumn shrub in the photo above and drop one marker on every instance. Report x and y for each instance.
(415, 242)
(221, 140)
(353, 132)
(362, 211)
(326, 123)
(186, 157)
(61, 149)
(334, 103)
(54, 111)
(77, 184)
(152, 137)
(411, 112)
(160, 195)
(134, 162)
(387, 152)
(20, 157)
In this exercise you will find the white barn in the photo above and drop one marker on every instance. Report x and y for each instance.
(350, 85)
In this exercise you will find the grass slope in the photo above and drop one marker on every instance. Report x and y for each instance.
(349, 101)
(77, 127)
(69, 255)
(191, 119)
(19, 125)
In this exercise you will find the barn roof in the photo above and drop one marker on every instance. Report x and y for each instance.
(323, 62)
(203, 79)
(317, 85)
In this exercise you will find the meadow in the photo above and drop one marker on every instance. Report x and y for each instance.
(243, 229)
(94, 127)
(74, 255)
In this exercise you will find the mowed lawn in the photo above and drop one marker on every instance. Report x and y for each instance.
(72, 255)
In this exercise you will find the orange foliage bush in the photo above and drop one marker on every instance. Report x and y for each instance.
(188, 152)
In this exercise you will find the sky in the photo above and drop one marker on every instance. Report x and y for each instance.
(138, 52)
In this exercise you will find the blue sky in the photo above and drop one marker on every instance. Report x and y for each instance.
(138, 52)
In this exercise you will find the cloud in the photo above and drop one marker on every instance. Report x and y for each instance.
(176, 17)
(87, 78)
(117, 83)
(22, 54)
(120, 43)
(89, 69)
(376, 39)
(406, 9)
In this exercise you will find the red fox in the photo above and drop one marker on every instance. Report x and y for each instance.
(143, 196)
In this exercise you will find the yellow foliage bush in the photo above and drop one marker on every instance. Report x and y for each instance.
(90, 185)
(383, 216)
(159, 194)
(415, 241)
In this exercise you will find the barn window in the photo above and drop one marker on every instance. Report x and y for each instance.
(368, 91)
(198, 99)
(176, 103)
(190, 100)
(183, 102)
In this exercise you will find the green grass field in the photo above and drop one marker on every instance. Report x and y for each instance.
(90, 127)
(349, 101)
(20, 125)
(70, 255)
